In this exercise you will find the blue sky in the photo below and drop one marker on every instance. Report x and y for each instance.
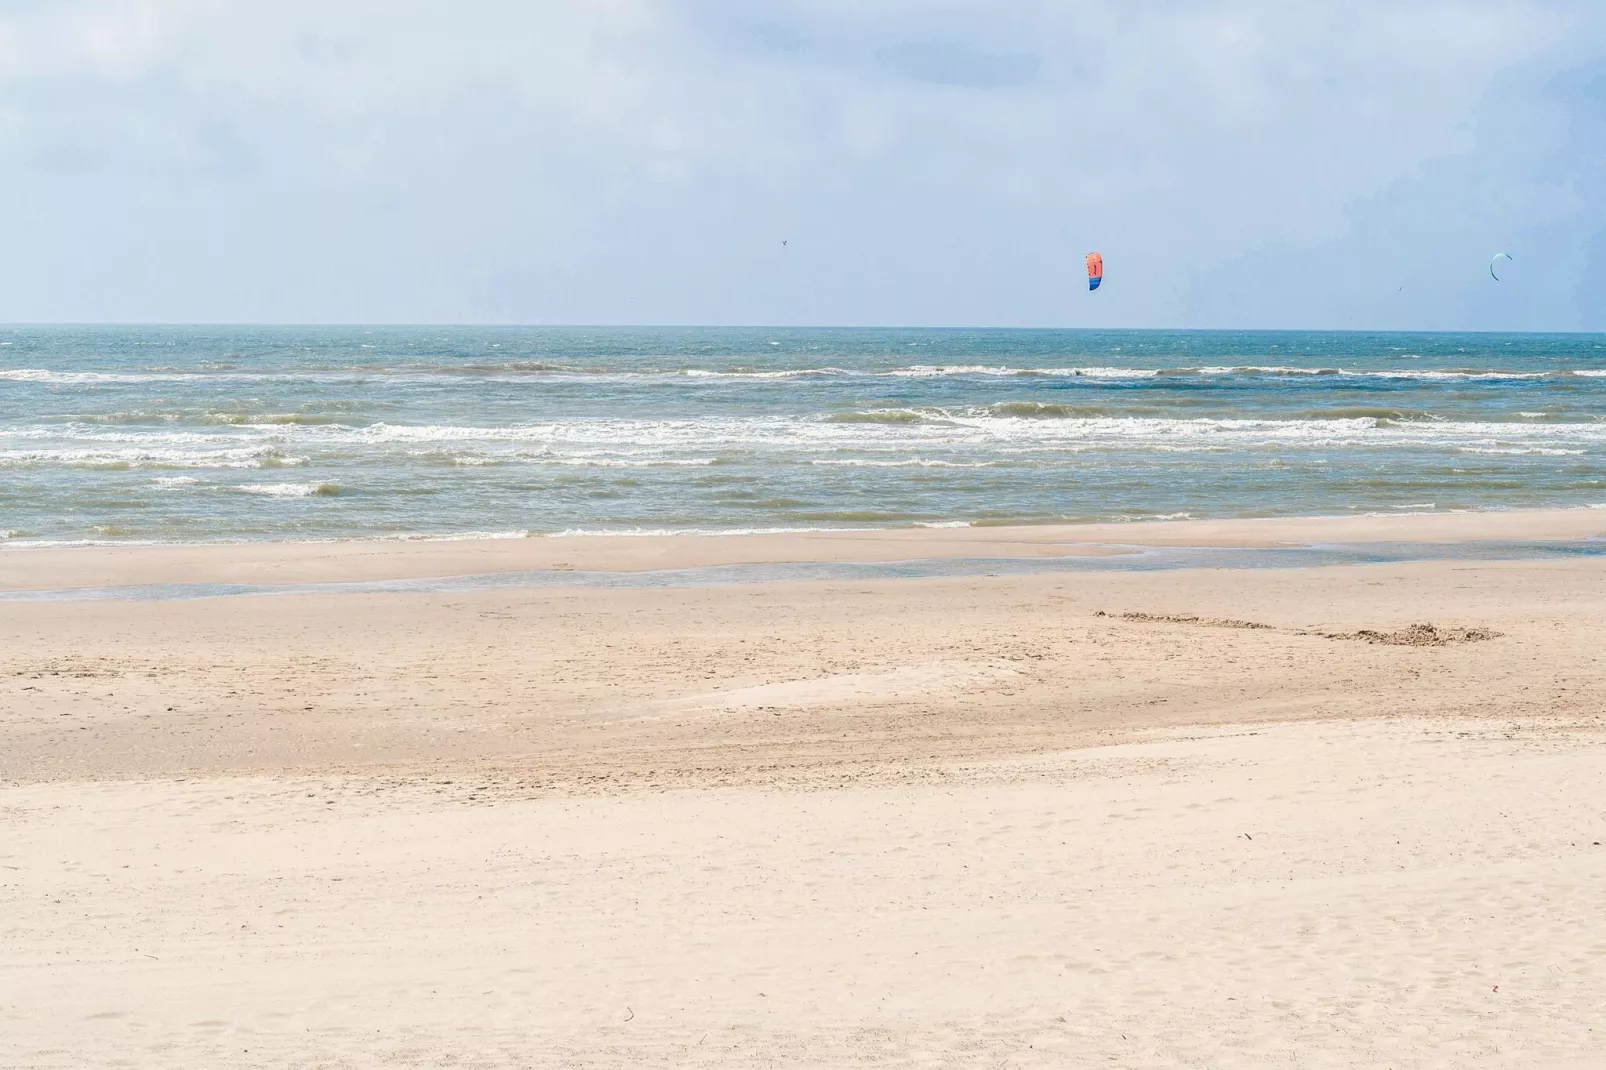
(1241, 163)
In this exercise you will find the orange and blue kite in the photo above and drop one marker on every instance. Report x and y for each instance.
(1095, 270)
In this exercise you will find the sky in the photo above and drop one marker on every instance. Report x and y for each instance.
(1239, 163)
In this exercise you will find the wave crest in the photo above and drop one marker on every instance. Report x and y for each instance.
(880, 416)
(290, 490)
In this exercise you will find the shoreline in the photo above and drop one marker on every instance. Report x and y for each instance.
(61, 567)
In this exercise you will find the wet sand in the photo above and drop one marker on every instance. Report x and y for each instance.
(34, 568)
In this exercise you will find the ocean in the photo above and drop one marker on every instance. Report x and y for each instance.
(172, 434)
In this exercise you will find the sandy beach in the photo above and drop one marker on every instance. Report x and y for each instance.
(1319, 817)
(803, 536)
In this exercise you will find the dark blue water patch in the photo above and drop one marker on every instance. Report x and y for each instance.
(1117, 559)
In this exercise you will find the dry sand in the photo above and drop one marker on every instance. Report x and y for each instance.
(1064, 820)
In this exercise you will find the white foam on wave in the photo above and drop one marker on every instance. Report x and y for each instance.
(700, 442)
(538, 372)
(290, 490)
(65, 378)
(458, 536)
(46, 375)
(933, 371)
(647, 533)
(969, 438)
(907, 462)
(942, 524)
(1423, 375)
(1438, 376)
(52, 544)
(384, 432)
(746, 373)
(1095, 372)
(936, 371)
(81, 432)
(1258, 369)
(253, 457)
(623, 462)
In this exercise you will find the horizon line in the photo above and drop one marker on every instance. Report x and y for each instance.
(514, 325)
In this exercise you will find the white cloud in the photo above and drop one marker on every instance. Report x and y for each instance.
(631, 161)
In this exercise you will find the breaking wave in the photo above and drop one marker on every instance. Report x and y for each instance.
(248, 457)
(290, 490)
(746, 373)
(894, 417)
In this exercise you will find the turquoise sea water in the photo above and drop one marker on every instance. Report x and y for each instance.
(207, 433)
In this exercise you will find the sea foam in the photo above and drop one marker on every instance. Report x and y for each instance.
(290, 490)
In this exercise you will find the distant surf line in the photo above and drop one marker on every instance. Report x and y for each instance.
(515, 370)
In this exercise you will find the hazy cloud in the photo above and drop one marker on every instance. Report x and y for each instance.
(1239, 162)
